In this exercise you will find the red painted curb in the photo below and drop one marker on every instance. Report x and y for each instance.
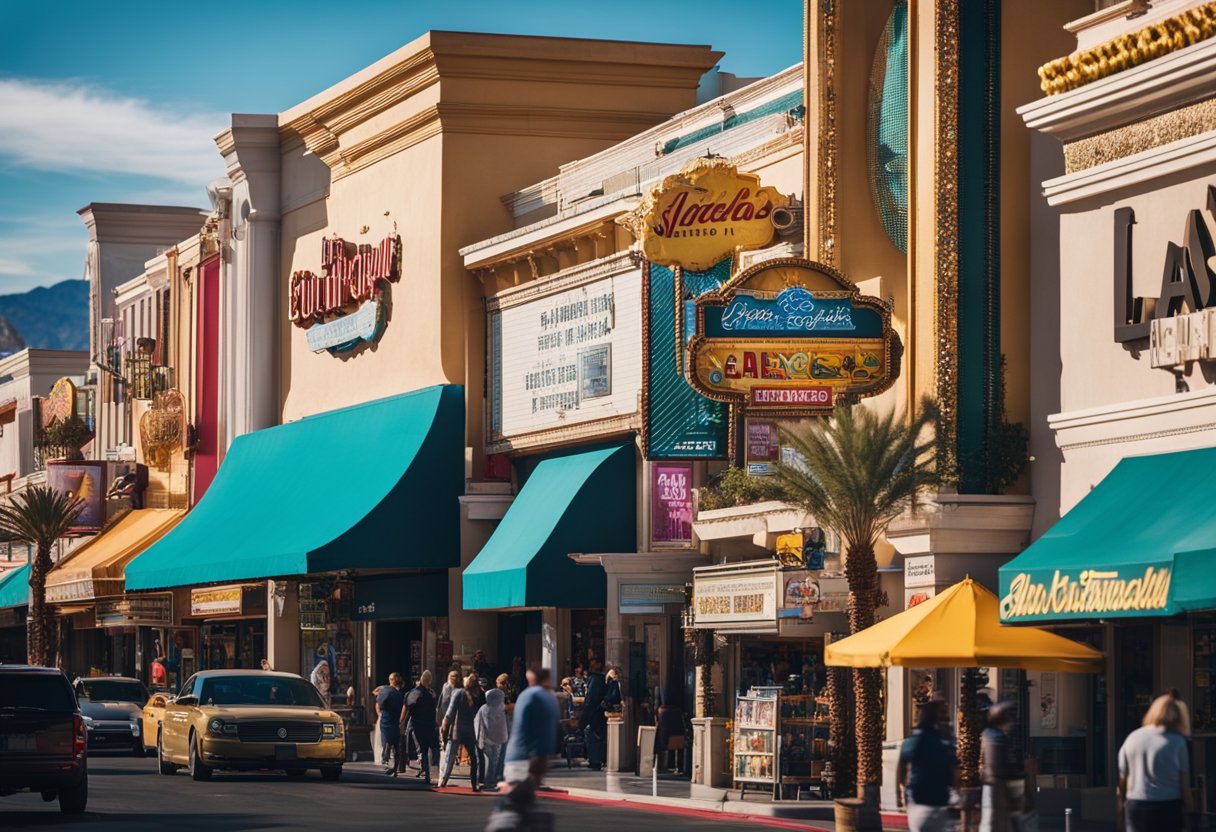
(726, 817)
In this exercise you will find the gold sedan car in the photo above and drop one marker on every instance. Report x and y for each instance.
(153, 712)
(249, 720)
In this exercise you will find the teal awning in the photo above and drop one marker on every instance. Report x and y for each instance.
(376, 485)
(1142, 543)
(15, 587)
(578, 502)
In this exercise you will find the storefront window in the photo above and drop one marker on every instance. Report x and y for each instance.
(235, 644)
(794, 666)
(327, 638)
(587, 637)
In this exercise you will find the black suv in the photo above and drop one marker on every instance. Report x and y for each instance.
(43, 744)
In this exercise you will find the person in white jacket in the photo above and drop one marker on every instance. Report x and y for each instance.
(490, 725)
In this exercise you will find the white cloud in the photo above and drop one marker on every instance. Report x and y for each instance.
(66, 127)
(14, 267)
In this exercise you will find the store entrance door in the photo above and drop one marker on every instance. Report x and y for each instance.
(396, 651)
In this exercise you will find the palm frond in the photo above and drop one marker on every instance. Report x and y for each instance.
(38, 516)
(861, 469)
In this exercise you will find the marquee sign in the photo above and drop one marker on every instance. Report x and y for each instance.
(790, 335)
(342, 307)
(703, 214)
(564, 356)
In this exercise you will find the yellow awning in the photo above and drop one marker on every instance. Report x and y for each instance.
(96, 568)
(960, 627)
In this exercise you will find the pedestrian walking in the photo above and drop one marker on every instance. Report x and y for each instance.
(578, 682)
(1155, 769)
(490, 728)
(594, 721)
(420, 723)
(441, 709)
(458, 731)
(999, 770)
(928, 768)
(533, 740)
(481, 667)
(389, 703)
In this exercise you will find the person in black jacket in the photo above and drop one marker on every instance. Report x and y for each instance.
(419, 720)
(594, 721)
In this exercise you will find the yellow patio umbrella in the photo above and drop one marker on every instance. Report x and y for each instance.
(960, 627)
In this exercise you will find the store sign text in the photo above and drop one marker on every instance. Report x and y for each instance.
(793, 310)
(1093, 593)
(703, 214)
(1187, 279)
(350, 274)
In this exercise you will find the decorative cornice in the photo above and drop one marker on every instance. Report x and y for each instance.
(570, 278)
(1126, 51)
(945, 183)
(566, 435)
(1146, 134)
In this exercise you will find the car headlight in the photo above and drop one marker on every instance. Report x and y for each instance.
(134, 727)
(88, 722)
(331, 730)
(219, 727)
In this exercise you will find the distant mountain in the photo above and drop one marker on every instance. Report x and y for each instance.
(10, 339)
(50, 317)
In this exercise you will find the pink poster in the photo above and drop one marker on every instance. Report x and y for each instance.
(671, 503)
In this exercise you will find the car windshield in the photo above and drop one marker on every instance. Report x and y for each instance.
(259, 690)
(35, 692)
(114, 690)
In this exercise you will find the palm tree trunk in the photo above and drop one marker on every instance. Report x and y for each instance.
(841, 735)
(39, 643)
(861, 570)
(969, 730)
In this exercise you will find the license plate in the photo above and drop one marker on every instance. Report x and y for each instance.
(285, 752)
(19, 742)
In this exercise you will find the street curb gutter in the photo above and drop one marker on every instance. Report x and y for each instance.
(723, 810)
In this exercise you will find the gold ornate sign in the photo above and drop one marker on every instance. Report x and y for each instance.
(790, 335)
(163, 429)
(60, 404)
(703, 214)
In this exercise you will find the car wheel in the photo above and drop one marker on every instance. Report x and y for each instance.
(331, 773)
(198, 769)
(48, 796)
(73, 799)
(166, 767)
(296, 773)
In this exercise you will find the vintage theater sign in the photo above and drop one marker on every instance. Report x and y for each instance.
(704, 214)
(343, 307)
(788, 336)
(1090, 593)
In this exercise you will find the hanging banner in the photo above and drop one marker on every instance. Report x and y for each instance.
(790, 336)
(671, 504)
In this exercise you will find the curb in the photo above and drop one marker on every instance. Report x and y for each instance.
(710, 811)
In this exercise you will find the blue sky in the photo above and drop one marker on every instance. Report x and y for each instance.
(117, 102)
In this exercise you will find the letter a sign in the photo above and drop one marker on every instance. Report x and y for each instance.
(704, 214)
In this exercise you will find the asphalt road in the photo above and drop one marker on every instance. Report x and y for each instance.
(126, 793)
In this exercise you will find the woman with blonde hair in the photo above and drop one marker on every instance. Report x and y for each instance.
(1155, 768)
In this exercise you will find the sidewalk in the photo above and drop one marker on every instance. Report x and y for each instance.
(678, 795)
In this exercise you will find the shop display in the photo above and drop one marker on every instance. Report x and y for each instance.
(779, 740)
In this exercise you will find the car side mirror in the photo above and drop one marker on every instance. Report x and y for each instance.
(186, 701)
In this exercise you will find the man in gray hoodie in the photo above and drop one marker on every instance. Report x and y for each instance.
(490, 726)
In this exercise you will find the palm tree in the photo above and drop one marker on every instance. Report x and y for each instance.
(857, 472)
(39, 516)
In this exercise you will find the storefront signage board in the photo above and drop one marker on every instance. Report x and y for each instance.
(920, 571)
(763, 441)
(671, 504)
(350, 286)
(914, 595)
(790, 336)
(565, 355)
(739, 600)
(1063, 594)
(703, 214)
(86, 481)
(649, 599)
(235, 600)
(833, 594)
(135, 610)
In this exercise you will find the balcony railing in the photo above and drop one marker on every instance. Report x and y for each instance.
(145, 379)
